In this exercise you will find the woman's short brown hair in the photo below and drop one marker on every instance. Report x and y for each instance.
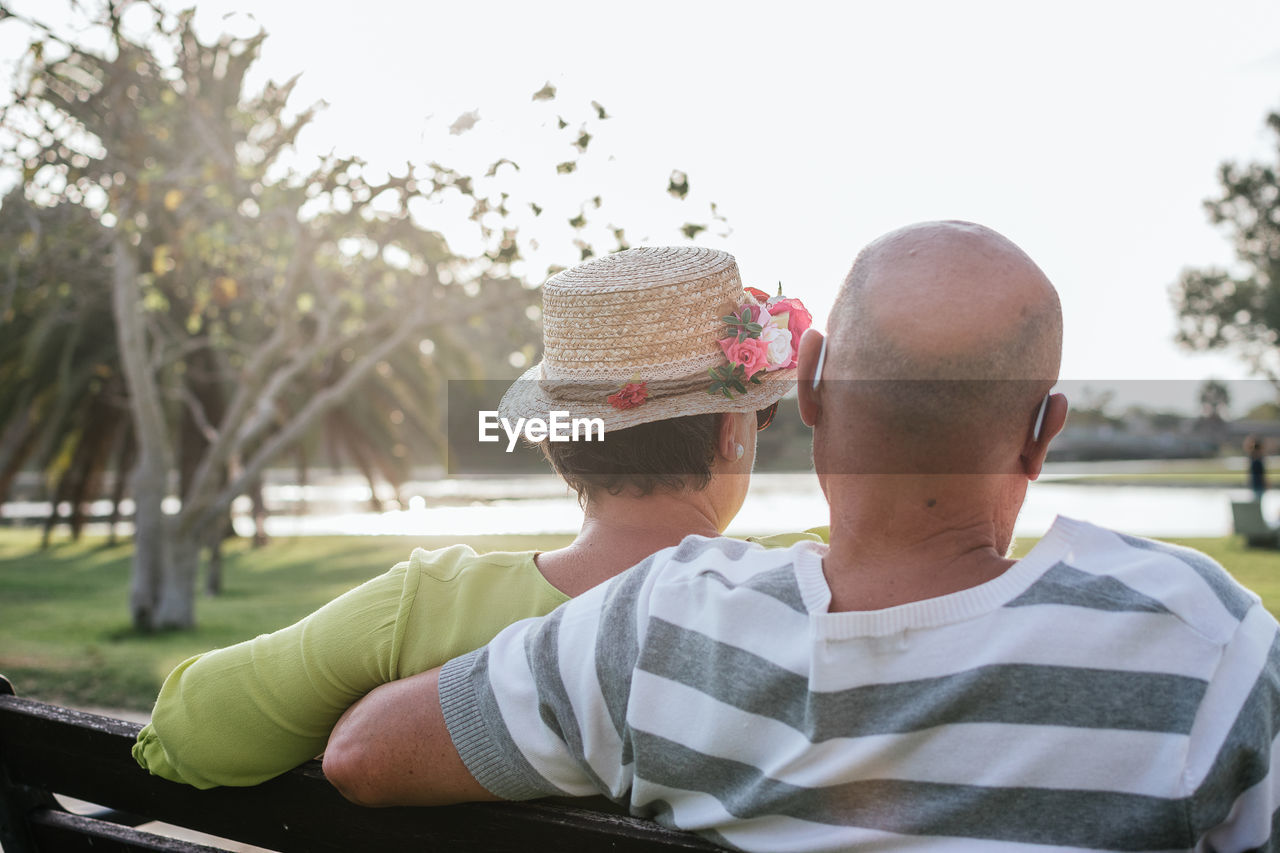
(671, 454)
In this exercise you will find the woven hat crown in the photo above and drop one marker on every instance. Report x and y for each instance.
(652, 312)
(649, 315)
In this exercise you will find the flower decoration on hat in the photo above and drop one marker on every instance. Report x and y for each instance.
(764, 336)
(629, 396)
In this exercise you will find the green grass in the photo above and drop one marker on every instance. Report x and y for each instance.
(1180, 473)
(1257, 569)
(64, 625)
(1170, 479)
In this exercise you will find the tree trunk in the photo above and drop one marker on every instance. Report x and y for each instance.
(55, 510)
(213, 571)
(260, 537)
(93, 450)
(166, 560)
(15, 446)
(176, 608)
(165, 564)
(148, 487)
(120, 478)
(50, 522)
(163, 567)
(303, 478)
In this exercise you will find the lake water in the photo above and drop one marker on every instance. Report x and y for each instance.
(776, 502)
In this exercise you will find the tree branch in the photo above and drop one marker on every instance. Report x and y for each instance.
(300, 422)
(198, 414)
(215, 457)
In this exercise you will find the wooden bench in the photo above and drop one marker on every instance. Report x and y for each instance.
(47, 750)
(1247, 518)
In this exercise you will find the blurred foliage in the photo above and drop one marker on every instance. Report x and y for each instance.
(195, 162)
(169, 154)
(60, 386)
(1215, 398)
(1264, 412)
(1092, 410)
(787, 443)
(273, 305)
(1239, 309)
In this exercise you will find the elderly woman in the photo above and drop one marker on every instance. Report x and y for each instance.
(682, 366)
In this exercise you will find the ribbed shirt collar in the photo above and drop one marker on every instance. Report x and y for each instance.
(930, 612)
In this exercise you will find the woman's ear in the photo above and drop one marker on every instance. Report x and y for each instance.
(728, 444)
(810, 358)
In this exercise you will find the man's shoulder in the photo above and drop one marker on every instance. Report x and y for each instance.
(696, 553)
(721, 566)
(1187, 583)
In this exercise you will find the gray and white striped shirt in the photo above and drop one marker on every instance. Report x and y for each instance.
(1106, 692)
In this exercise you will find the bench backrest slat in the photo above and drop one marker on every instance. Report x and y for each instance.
(69, 833)
(86, 756)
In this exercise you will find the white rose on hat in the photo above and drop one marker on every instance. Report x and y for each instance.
(778, 341)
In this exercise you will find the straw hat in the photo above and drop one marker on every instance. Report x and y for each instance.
(649, 315)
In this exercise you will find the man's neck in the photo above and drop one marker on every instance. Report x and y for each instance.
(895, 540)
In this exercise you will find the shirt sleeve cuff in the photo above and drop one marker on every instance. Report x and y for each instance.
(151, 756)
(480, 735)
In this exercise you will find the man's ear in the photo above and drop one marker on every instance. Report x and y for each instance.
(810, 356)
(1037, 446)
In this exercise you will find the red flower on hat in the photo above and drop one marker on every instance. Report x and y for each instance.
(630, 395)
(797, 317)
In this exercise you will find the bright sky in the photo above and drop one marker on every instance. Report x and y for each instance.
(1089, 133)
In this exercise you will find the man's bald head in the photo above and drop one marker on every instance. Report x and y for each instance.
(953, 335)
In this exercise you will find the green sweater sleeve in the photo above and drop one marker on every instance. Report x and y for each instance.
(786, 540)
(249, 712)
(246, 713)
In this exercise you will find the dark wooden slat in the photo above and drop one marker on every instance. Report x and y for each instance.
(118, 817)
(88, 757)
(69, 833)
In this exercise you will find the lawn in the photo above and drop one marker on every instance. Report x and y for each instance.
(64, 628)
(1218, 473)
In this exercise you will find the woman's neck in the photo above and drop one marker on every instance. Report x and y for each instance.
(619, 531)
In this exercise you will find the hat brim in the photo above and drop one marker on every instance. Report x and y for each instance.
(527, 398)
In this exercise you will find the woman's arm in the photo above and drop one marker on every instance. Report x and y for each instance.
(246, 713)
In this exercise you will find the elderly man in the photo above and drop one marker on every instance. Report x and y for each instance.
(909, 685)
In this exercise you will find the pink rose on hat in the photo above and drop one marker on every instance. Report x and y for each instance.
(751, 353)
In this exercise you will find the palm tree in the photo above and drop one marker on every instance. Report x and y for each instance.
(61, 394)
